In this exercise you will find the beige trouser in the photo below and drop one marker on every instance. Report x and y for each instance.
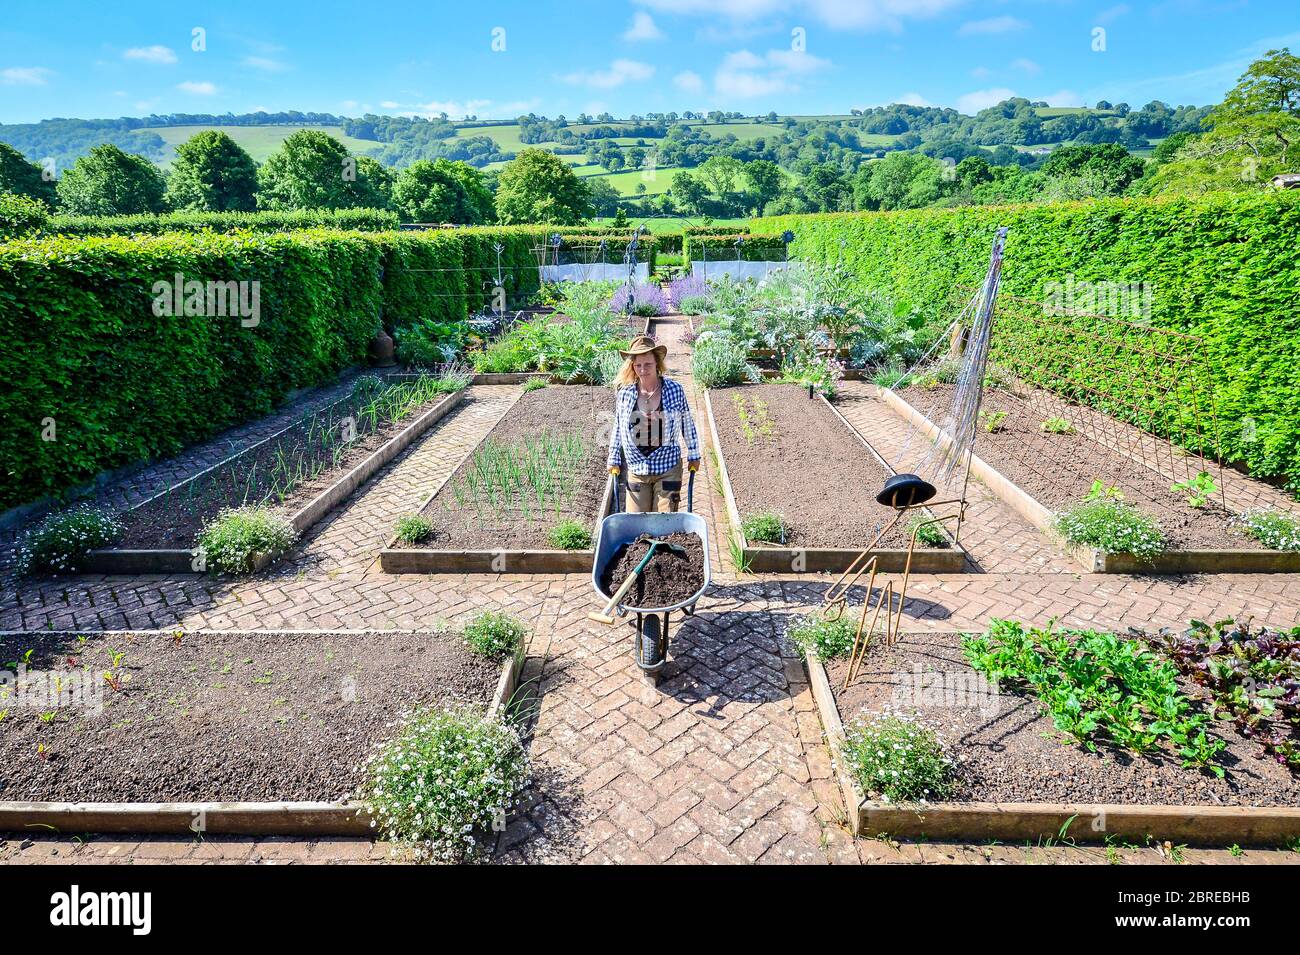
(663, 490)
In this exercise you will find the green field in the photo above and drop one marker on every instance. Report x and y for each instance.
(742, 131)
(626, 182)
(258, 141)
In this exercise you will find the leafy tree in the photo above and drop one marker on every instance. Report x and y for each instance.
(212, 173)
(21, 215)
(721, 174)
(688, 192)
(899, 181)
(826, 188)
(311, 170)
(605, 199)
(1108, 168)
(439, 192)
(109, 182)
(1250, 137)
(371, 186)
(538, 186)
(765, 181)
(23, 178)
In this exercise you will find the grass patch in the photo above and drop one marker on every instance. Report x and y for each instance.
(235, 538)
(570, 535)
(825, 639)
(768, 527)
(413, 528)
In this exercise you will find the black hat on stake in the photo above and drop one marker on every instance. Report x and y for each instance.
(905, 490)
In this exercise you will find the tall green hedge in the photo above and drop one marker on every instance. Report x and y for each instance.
(121, 384)
(365, 220)
(713, 247)
(1222, 267)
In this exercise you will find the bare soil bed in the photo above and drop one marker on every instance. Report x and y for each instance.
(1008, 752)
(1058, 470)
(173, 520)
(220, 717)
(668, 579)
(465, 518)
(804, 464)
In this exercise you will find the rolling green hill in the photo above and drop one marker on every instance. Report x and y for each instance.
(258, 141)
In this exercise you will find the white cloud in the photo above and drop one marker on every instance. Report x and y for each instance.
(619, 72)
(913, 99)
(688, 81)
(1026, 64)
(25, 76)
(992, 25)
(838, 14)
(1062, 98)
(1112, 13)
(745, 75)
(454, 108)
(973, 102)
(642, 28)
(197, 87)
(265, 64)
(151, 54)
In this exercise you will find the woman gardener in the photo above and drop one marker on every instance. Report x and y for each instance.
(651, 422)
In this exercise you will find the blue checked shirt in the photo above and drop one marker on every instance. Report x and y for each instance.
(679, 427)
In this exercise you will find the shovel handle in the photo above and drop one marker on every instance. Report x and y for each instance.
(606, 615)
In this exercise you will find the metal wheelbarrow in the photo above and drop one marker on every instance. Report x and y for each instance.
(618, 529)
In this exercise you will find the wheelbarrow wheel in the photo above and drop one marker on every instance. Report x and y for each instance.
(648, 640)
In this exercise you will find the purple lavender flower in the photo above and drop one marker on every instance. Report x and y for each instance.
(646, 300)
(688, 286)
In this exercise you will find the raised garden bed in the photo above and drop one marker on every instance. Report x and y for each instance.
(1016, 779)
(302, 472)
(541, 465)
(796, 457)
(255, 732)
(1061, 473)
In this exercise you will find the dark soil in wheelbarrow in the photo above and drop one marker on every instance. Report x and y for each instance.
(1008, 751)
(668, 579)
(789, 454)
(220, 717)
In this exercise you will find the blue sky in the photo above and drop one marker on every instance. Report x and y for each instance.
(794, 56)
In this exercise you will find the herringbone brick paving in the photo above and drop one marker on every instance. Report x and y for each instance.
(724, 762)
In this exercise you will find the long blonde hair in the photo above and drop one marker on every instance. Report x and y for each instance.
(627, 374)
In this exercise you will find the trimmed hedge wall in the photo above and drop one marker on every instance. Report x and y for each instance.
(364, 220)
(722, 247)
(122, 384)
(1223, 267)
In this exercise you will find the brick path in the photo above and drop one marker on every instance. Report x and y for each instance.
(723, 762)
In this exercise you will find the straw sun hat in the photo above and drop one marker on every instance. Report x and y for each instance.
(643, 344)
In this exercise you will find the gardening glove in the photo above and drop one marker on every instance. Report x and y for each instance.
(692, 466)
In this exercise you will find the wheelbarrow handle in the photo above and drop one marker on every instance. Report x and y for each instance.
(690, 494)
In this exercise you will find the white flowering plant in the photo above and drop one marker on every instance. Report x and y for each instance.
(233, 540)
(1113, 527)
(1276, 530)
(826, 639)
(898, 758)
(60, 542)
(495, 635)
(445, 782)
